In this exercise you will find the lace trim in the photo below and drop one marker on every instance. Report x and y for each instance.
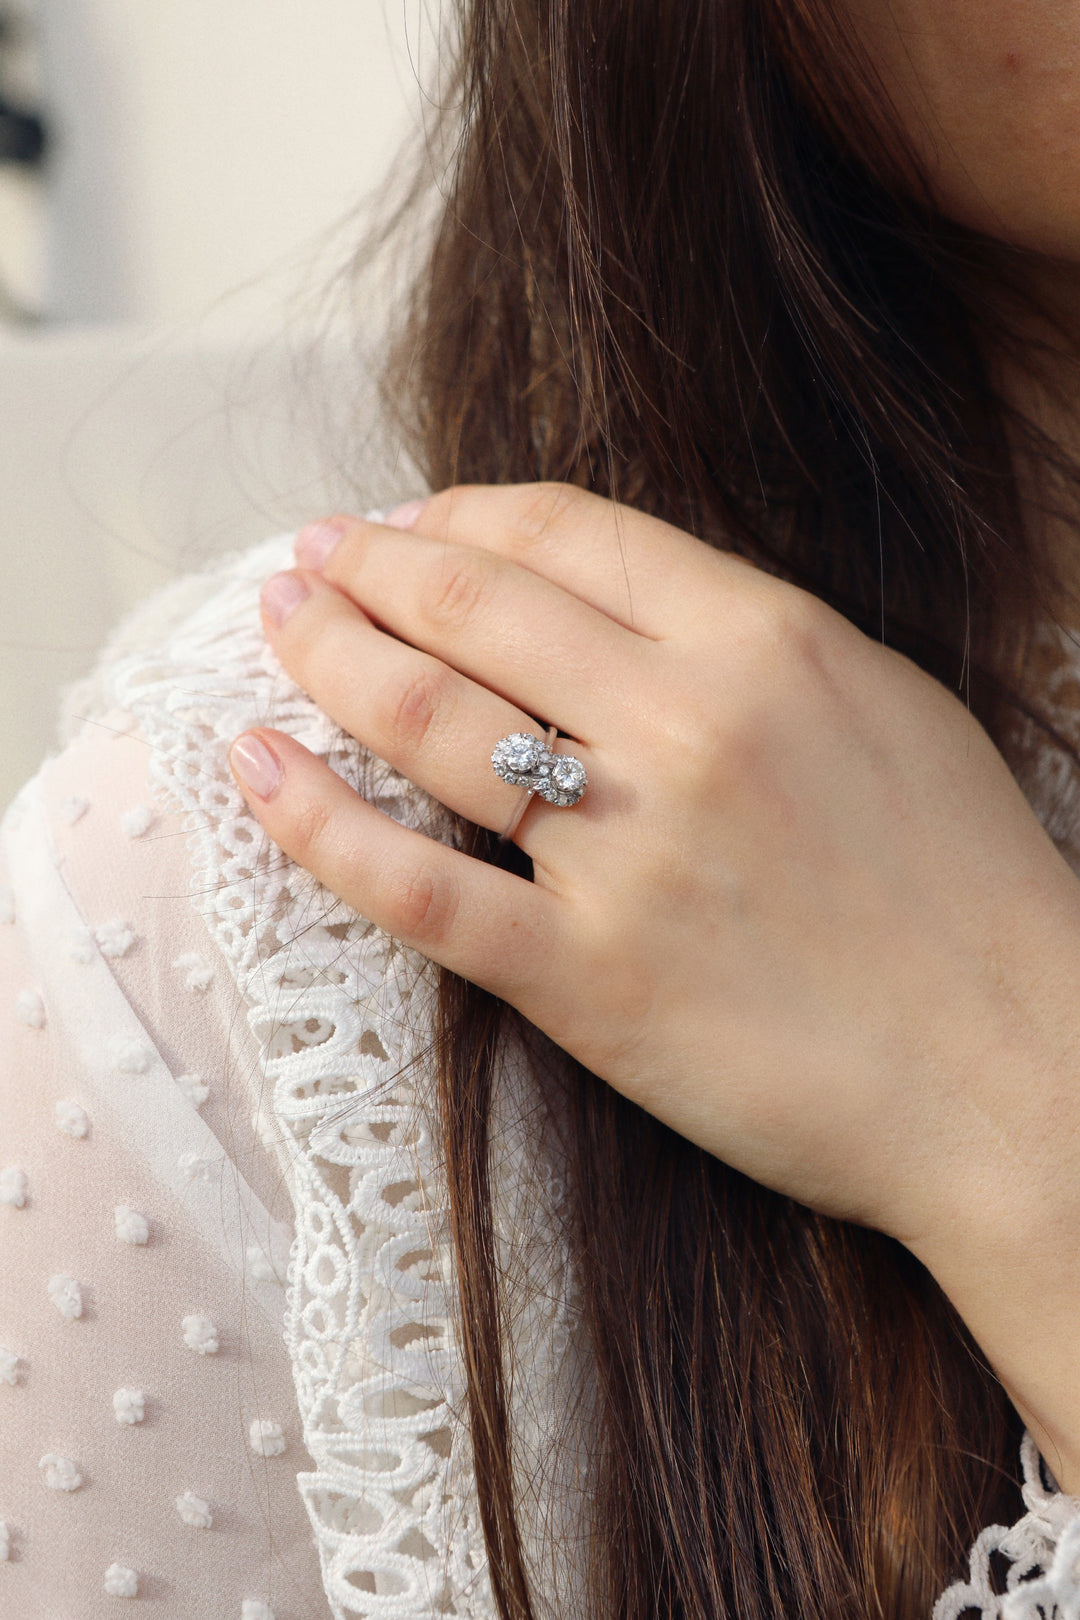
(1042, 1551)
(340, 1013)
(1047, 775)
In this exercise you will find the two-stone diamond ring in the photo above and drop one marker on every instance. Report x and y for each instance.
(532, 764)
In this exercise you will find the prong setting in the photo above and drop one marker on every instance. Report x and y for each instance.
(526, 761)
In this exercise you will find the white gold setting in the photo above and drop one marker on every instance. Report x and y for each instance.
(529, 762)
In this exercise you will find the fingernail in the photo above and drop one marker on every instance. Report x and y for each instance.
(281, 596)
(316, 541)
(405, 515)
(257, 766)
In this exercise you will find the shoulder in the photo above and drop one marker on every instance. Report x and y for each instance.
(224, 594)
(138, 1197)
(184, 676)
(149, 734)
(191, 668)
(340, 1018)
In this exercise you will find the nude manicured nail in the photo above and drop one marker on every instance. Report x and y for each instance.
(281, 596)
(315, 542)
(257, 766)
(405, 515)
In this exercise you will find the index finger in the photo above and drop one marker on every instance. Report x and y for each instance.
(644, 573)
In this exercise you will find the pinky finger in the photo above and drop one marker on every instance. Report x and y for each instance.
(481, 922)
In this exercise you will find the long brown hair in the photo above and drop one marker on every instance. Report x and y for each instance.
(681, 264)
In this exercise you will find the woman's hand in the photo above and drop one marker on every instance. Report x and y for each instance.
(803, 913)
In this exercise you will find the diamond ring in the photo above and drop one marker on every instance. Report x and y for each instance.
(531, 763)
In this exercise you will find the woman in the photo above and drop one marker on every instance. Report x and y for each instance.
(689, 1230)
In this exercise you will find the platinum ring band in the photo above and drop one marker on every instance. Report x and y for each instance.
(532, 764)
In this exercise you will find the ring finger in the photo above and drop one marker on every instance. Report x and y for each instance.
(429, 721)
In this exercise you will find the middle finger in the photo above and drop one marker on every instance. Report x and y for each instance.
(536, 644)
(424, 718)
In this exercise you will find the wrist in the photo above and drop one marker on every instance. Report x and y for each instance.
(1004, 1245)
(1025, 1318)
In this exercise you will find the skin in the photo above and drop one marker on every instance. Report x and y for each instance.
(988, 93)
(803, 913)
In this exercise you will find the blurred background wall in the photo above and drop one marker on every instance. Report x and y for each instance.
(171, 384)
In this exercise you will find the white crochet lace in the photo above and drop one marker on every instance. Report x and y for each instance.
(341, 1013)
(1041, 1552)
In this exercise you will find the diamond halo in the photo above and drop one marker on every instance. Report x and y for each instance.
(527, 761)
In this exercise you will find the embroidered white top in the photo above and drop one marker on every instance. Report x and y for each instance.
(229, 1376)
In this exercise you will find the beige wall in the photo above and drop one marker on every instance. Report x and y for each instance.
(200, 141)
(171, 410)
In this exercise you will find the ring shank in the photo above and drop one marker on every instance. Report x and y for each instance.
(526, 794)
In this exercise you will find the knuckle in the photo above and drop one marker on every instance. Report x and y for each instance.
(682, 723)
(424, 902)
(459, 589)
(543, 507)
(776, 635)
(771, 654)
(692, 747)
(549, 511)
(441, 509)
(410, 706)
(800, 623)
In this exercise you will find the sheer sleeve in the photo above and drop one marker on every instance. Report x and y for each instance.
(148, 1428)
(230, 1380)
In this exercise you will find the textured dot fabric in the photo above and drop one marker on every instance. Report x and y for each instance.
(139, 1349)
(231, 1383)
